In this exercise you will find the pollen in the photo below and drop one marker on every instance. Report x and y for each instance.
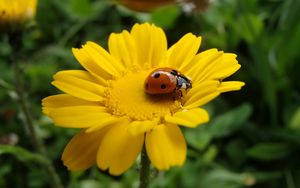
(126, 97)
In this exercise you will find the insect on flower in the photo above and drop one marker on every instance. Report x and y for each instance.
(122, 100)
(167, 81)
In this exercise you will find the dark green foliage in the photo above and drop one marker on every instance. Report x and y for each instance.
(253, 137)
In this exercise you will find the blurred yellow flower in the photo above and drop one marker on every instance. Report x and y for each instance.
(16, 12)
(107, 99)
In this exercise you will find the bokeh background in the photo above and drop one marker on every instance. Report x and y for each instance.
(253, 138)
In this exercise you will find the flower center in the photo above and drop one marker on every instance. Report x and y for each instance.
(127, 97)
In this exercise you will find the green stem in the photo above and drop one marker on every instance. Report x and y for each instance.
(27, 117)
(72, 31)
(16, 43)
(289, 179)
(145, 169)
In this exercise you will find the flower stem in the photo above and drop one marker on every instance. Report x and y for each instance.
(145, 169)
(15, 42)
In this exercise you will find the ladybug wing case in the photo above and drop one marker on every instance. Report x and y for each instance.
(160, 83)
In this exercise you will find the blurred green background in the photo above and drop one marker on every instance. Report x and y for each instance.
(253, 138)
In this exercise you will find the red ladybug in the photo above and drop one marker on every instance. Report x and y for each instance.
(166, 81)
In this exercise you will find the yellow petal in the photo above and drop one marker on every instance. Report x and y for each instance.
(189, 118)
(79, 84)
(226, 67)
(166, 146)
(81, 152)
(221, 67)
(79, 116)
(201, 94)
(230, 86)
(138, 127)
(151, 43)
(88, 63)
(119, 150)
(203, 87)
(199, 101)
(110, 120)
(199, 62)
(63, 100)
(17, 11)
(100, 58)
(106, 57)
(122, 46)
(184, 51)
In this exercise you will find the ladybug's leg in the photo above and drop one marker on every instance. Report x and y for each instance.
(177, 95)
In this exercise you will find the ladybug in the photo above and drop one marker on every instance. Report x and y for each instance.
(166, 81)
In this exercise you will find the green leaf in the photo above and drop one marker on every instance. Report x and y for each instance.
(267, 176)
(222, 178)
(249, 26)
(235, 151)
(288, 57)
(269, 151)
(90, 183)
(165, 17)
(199, 137)
(22, 154)
(295, 121)
(229, 122)
(210, 154)
(81, 8)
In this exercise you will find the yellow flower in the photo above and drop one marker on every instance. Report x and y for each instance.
(16, 12)
(107, 99)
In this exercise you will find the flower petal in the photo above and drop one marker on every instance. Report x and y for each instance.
(201, 94)
(63, 100)
(151, 44)
(166, 146)
(100, 58)
(199, 101)
(230, 86)
(92, 67)
(79, 84)
(138, 127)
(80, 153)
(203, 87)
(108, 59)
(182, 52)
(220, 66)
(189, 118)
(112, 120)
(119, 150)
(122, 46)
(226, 66)
(79, 116)
(200, 61)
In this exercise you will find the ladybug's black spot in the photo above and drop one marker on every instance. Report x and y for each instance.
(156, 75)
(163, 86)
(146, 86)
